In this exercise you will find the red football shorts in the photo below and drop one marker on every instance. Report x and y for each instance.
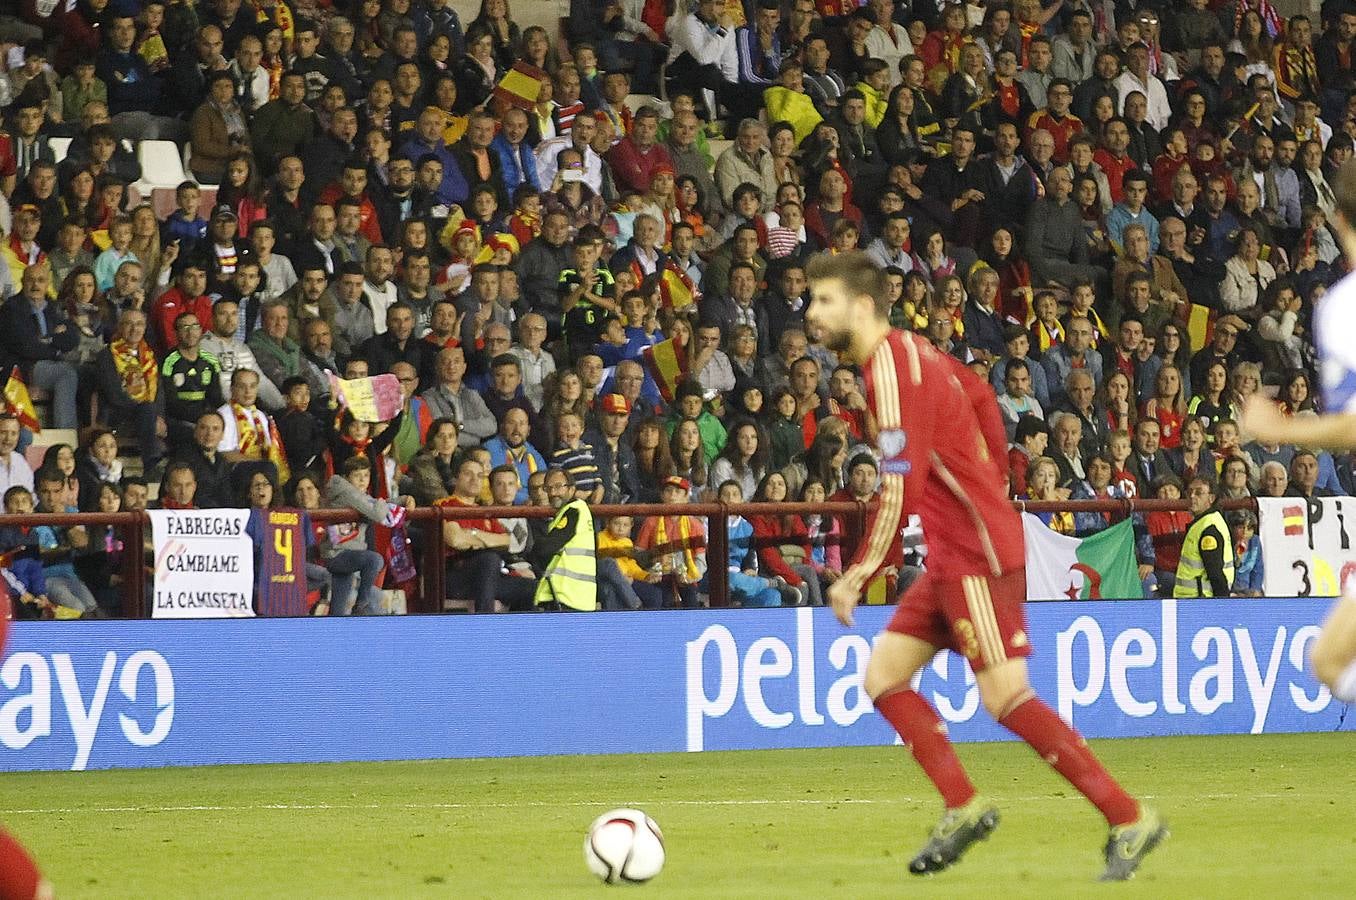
(977, 616)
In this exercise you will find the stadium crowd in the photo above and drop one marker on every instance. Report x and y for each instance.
(590, 299)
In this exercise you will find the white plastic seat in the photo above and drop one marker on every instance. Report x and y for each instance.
(160, 165)
(59, 145)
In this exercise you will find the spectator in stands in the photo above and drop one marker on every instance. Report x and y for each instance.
(131, 86)
(14, 468)
(1066, 453)
(1029, 443)
(678, 543)
(211, 471)
(250, 434)
(432, 472)
(278, 355)
(511, 446)
(451, 398)
(35, 334)
(180, 488)
(347, 551)
(218, 129)
(478, 546)
(128, 380)
(1304, 476)
(55, 545)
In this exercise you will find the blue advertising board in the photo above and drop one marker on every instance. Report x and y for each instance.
(178, 693)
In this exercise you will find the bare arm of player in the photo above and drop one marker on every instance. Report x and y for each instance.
(1263, 419)
(906, 453)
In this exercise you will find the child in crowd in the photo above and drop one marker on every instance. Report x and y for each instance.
(618, 568)
(54, 546)
(575, 457)
(304, 437)
(1248, 566)
(678, 543)
(747, 587)
(1167, 531)
(525, 223)
(185, 225)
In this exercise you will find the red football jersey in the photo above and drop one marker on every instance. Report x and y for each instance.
(943, 450)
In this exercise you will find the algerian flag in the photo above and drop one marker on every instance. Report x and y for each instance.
(1100, 567)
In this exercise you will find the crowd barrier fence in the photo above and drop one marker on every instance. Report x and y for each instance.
(135, 528)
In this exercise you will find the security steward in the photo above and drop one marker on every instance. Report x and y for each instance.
(570, 574)
(191, 379)
(1206, 568)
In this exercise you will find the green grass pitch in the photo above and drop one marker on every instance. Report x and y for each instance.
(1251, 817)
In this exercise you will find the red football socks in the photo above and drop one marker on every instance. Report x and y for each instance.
(19, 878)
(1065, 750)
(920, 728)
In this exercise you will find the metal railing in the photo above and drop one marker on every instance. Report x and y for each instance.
(134, 526)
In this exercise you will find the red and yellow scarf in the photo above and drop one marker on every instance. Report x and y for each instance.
(260, 443)
(132, 361)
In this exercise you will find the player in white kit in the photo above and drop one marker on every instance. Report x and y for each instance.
(1334, 653)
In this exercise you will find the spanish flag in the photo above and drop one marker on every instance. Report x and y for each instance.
(19, 403)
(1200, 324)
(666, 362)
(1292, 517)
(676, 289)
(520, 86)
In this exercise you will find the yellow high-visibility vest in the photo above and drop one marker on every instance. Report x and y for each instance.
(1191, 578)
(571, 578)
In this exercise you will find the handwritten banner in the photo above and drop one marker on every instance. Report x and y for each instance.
(374, 399)
(204, 564)
(1307, 545)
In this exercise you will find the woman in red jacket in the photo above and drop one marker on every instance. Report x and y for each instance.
(783, 543)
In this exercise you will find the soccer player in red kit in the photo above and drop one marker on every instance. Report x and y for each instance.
(19, 877)
(943, 447)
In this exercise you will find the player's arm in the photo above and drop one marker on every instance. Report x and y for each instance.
(1263, 419)
(902, 473)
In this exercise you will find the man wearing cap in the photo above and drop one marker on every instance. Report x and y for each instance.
(612, 450)
(189, 294)
(22, 250)
(227, 251)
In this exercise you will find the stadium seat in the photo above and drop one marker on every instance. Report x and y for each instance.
(59, 147)
(188, 169)
(636, 101)
(719, 146)
(161, 166)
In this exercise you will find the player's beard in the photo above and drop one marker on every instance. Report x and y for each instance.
(839, 341)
